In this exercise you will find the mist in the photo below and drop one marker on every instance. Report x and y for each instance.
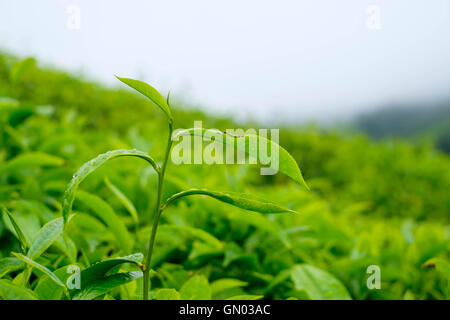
(288, 61)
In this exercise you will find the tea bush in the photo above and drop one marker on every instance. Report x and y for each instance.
(383, 204)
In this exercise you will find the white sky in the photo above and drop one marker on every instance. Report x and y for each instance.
(270, 60)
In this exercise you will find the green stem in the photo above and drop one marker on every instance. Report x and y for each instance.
(183, 194)
(157, 215)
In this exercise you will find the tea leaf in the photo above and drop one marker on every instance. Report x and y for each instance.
(97, 272)
(238, 200)
(17, 229)
(10, 264)
(318, 284)
(41, 268)
(195, 233)
(67, 246)
(150, 92)
(124, 200)
(30, 159)
(167, 294)
(91, 166)
(9, 291)
(7, 104)
(250, 144)
(226, 284)
(40, 209)
(49, 233)
(103, 286)
(48, 289)
(439, 264)
(196, 288)
(20, 68)
(104, 211)
(27, 222)
(277, 280)
(262, 223)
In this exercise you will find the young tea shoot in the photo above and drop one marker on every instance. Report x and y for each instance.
(285, 163)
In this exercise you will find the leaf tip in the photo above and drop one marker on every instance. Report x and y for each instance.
(306, 186)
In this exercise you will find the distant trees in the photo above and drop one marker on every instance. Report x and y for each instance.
(410, 122)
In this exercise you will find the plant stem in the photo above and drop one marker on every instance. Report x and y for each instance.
(157, 215)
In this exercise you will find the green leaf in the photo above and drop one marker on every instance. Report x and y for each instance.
(49, 233)
(96, 272)
(103, 286)
(317, 283)
(167, 294)
(8, 103)
(202, 250)
(104, 211)
(232, 252)
(48, 289)
(285, 162)
(10, 264)
(9, 291)
(91, 166)
(31, 159)
(27, 222)
(173, 275)
(196, 288)
(43, 269)
(67, 246)
(20, 68)
(124, 200)
(38, 208)
(238, 200)
(262, 223)
(22, 278)
(278, 279)
(439, 264)
(195, 233)
(150, 92)
(19, 116)
(226, 284)
(246, 297)
(17, 229)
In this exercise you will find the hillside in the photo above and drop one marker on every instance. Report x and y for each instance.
(380, 203)
(415, 123)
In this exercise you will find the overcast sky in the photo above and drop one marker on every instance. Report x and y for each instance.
(270, 60)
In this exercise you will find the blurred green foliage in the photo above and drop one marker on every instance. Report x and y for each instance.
(384, 204)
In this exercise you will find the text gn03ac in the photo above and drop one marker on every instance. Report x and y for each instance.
(228, 309)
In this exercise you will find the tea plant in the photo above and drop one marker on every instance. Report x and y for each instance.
(374, 203)
(286, 164)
